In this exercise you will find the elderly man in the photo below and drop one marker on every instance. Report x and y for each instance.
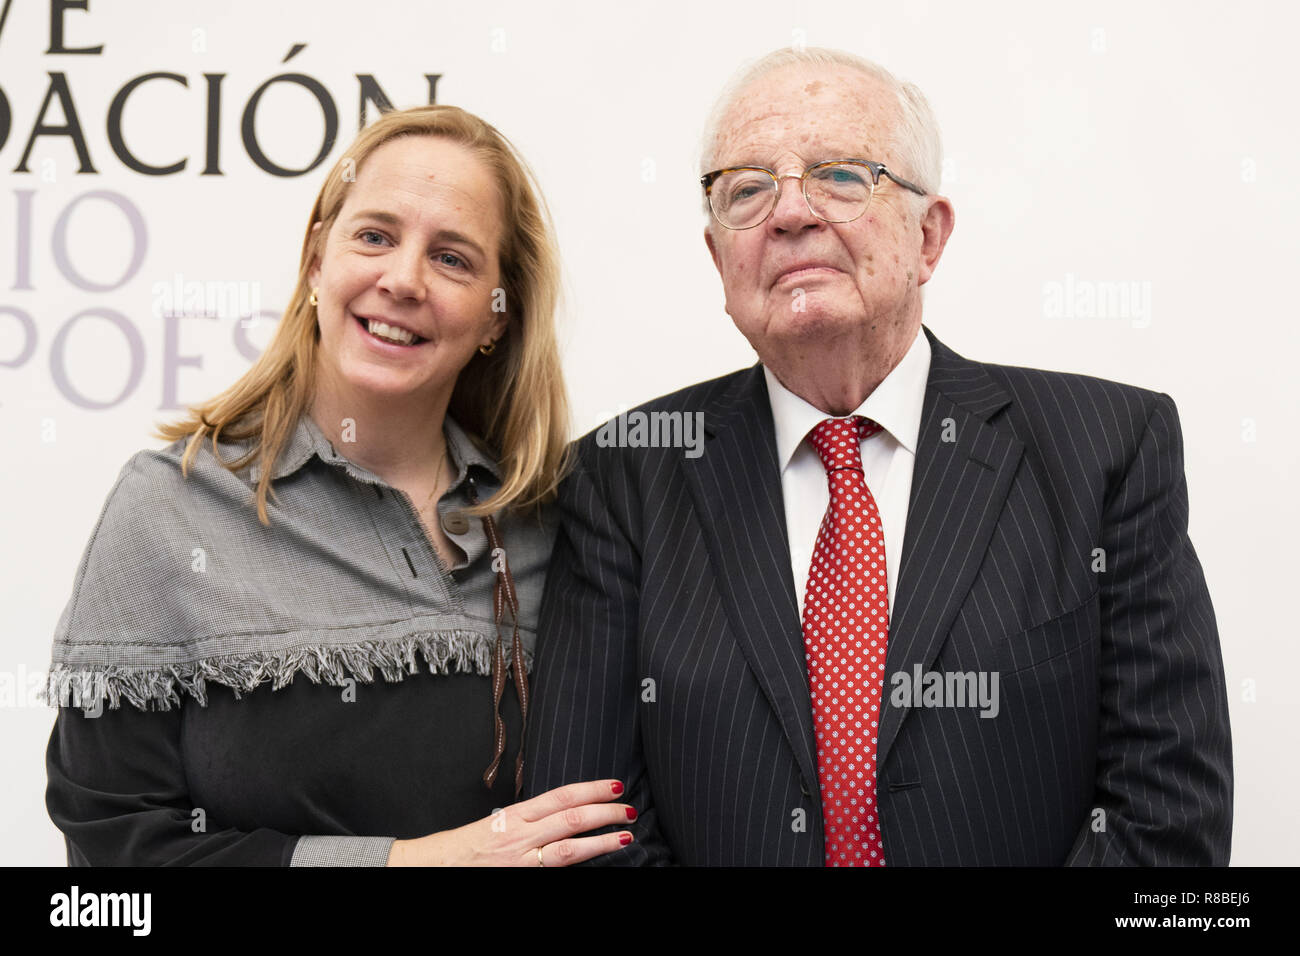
(905, 608)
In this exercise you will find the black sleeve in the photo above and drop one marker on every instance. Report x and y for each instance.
(584, 724)
(1164, 761)
(117, 790)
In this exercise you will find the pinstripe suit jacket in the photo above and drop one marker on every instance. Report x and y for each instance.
(670, 651)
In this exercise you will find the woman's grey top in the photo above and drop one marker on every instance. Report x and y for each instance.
(188, 609)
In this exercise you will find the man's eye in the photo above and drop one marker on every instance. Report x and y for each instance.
(745, 188)
(840, 176)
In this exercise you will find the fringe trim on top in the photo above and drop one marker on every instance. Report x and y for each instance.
(445, 652)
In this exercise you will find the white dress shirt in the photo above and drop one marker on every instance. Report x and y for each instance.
(887, 460)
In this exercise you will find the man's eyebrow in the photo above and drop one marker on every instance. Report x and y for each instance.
(442, 235)
(747, 159)
(750, 159)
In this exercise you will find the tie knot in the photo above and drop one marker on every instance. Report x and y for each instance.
(836, 441)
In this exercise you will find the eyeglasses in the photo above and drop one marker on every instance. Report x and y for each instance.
(838, 190)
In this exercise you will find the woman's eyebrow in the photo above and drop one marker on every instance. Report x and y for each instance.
(451, 235)
(377, 214)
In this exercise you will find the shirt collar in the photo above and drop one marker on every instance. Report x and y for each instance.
(308, 441)
(895, 404)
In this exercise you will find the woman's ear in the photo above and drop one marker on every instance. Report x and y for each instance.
(500, 311)
(500, 325)
(313, 271)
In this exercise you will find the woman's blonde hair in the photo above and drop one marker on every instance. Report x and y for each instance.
(514, 399)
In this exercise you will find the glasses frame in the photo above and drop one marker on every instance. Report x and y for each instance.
(876, 170)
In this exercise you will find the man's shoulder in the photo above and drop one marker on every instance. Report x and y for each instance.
(1050, 395)
(709, 398)
(1028, 378)
(637, 445)
(1084, 424)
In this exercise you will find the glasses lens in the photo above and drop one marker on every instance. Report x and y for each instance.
(839, 192)
(742, 197)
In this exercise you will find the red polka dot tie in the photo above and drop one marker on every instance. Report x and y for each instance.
(846, 632)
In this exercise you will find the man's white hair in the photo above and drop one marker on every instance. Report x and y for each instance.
(915, 152)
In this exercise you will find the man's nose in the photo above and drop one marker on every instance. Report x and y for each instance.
(403, 275)
(791, 212)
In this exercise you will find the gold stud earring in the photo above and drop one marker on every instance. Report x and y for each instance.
(488, 349)
(312, 298)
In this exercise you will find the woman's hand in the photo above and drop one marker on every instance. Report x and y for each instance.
(537, 832)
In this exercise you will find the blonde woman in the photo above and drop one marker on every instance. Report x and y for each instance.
(300, 634)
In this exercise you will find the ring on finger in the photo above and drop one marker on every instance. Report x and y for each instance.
(539, 858)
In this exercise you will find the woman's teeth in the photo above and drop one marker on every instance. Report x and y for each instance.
(390, 333)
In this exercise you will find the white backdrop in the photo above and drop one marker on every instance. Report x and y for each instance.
(1148, 144)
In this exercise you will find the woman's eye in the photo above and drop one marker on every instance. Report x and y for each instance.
(451, 259)
(370, 232)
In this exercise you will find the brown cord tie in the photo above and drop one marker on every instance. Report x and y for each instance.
(503, 597)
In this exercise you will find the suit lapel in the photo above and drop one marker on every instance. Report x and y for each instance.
(963, 472)
(960, 483)
(736, 485)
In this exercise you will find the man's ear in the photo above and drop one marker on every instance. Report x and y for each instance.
(936, 227)
(313, 272)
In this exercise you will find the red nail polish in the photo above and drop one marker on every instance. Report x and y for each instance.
(631, 813)
(616, 787)
(624, 839)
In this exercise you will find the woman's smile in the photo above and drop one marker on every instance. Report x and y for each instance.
(388, 336)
